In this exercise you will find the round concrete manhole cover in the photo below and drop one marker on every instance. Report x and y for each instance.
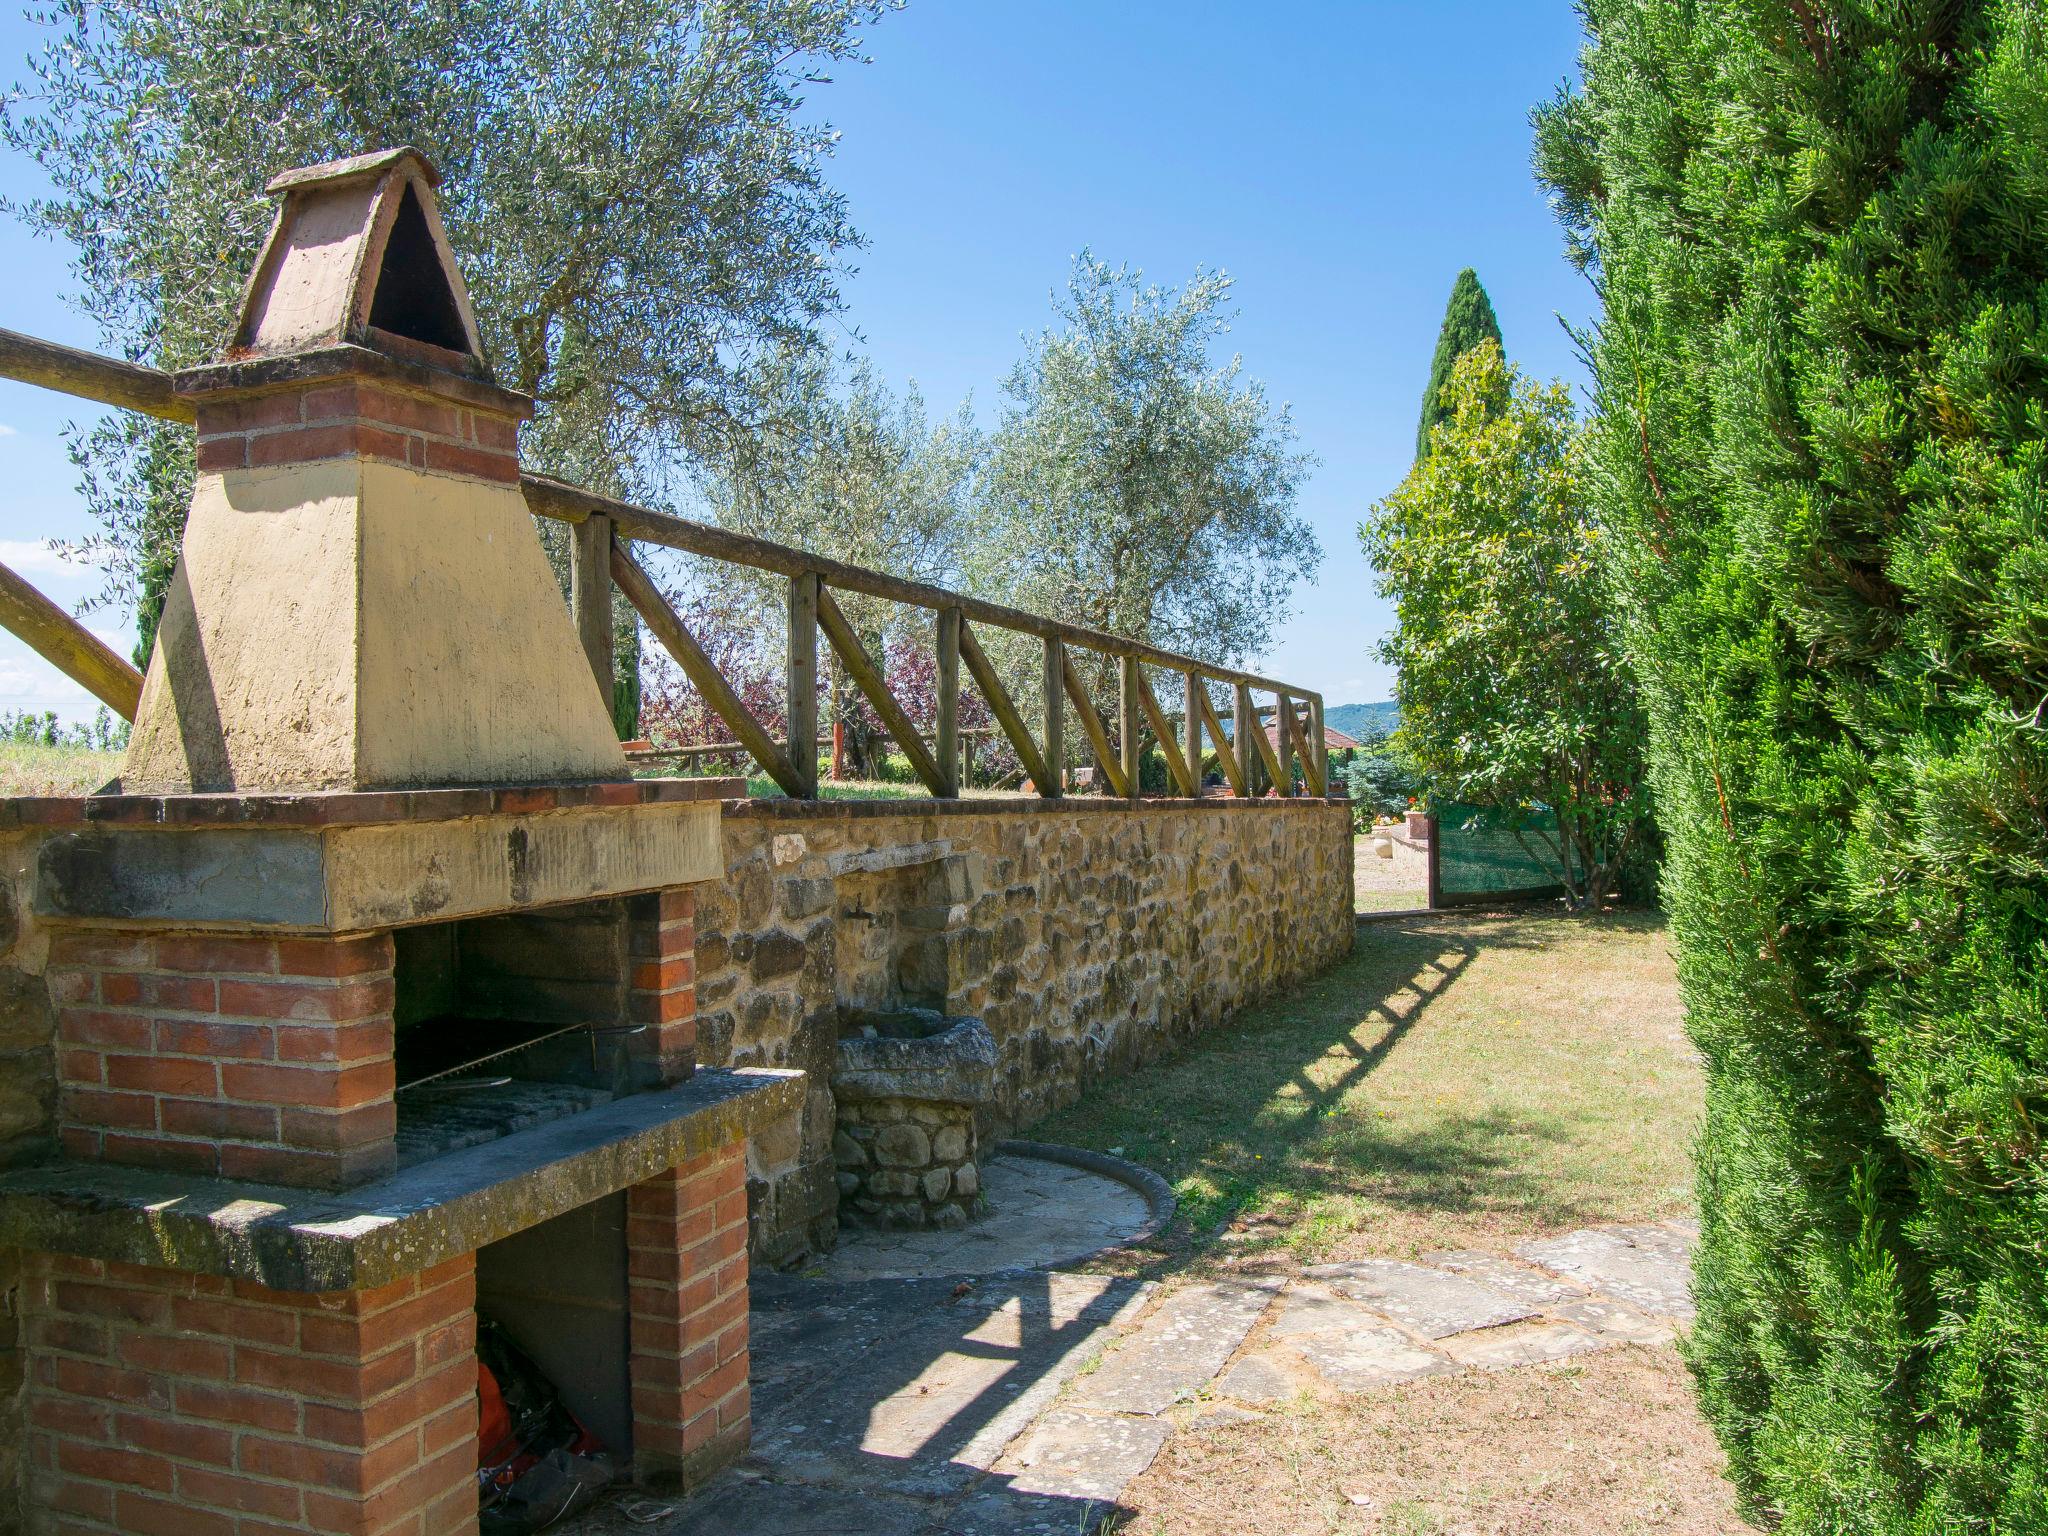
(1047, 1206)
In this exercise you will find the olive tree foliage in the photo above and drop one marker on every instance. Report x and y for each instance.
(850, 470)
(1513, 690)
(1135, 484)
(633, 187)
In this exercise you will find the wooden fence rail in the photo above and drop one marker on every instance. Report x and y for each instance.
(604, 528)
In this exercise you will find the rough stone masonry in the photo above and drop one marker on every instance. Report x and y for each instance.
(1090, 935)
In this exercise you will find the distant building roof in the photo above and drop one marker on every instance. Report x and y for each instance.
(1334, 739)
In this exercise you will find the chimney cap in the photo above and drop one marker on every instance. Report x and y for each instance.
(337, 173)
(358, 257)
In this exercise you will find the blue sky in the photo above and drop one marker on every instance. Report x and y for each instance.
(1340, 161)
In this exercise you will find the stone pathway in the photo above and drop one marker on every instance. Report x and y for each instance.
(1028, 1402)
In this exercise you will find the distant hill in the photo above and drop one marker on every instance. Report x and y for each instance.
(1357, 719)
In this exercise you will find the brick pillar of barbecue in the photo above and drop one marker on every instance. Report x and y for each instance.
(162, 1400)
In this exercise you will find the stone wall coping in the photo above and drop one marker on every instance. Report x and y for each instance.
(1100, 805)
(349, 808)
(308, 1240)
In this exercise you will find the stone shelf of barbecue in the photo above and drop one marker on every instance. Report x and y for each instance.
(356, 862)
(310, 1240)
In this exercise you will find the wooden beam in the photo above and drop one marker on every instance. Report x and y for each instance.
(590, 598)
(1091, 724)
(667, 626)
(946, 730)
(1233, 770)
(1191, 723)
(90, 376)
(800, 697)
(1129, 686)
(1176, 765)
(1055, 738)
(68, 645)
(1001, 705)
(862, 669)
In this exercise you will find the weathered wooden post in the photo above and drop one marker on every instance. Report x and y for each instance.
(1129, 682)
(1283, 744)
(1244, 731)
(1191, 729)
(946, 733)
(801, 704)
(590, 597)
(1055, 733)
(1319, 744)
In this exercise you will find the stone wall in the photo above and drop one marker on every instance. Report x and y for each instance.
(1090, 935)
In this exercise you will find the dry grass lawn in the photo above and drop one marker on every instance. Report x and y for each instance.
(1461, 1081)
(1606, 1446)
(26, 770)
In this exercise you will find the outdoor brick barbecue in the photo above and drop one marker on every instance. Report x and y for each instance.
(373, 982)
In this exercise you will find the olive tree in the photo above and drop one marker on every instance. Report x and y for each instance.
(635, 190)
(848, 469)
(1135, 483)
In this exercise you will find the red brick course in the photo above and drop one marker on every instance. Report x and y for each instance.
(661, 951)
(359, 419)
(686, 1246)
(175, 1403)
(250, 1058)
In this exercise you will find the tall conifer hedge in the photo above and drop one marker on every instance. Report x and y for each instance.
(1820, 232)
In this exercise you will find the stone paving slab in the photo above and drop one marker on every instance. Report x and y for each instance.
(1657, 1279)
(1612, 1320)
(1432, 1302)
(1179, 1348)
(1495, 1349)
(1085, 1455)
(1370, 1357)
(1530, 1286)
(1259, 1379)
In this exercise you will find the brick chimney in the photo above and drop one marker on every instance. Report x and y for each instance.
(362, 601)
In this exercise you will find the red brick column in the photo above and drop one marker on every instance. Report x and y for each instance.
(166, 1404)
(249, 1058)
(686, 1241)
(662, 946)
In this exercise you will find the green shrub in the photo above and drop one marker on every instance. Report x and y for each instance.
(1820, 233)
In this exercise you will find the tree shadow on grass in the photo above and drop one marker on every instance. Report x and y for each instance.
(1260, 1116)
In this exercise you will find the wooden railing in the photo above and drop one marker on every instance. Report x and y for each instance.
(603, 531)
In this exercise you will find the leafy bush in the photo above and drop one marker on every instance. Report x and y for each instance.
(1382, 779)
(1514, 695)
(1823, 381)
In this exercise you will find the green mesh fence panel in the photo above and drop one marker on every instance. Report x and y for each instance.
(1481, 855)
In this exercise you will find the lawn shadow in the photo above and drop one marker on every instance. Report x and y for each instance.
(1252, 1119)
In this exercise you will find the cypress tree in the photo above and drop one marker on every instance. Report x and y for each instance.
(1468, 320)
(1822, 377)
